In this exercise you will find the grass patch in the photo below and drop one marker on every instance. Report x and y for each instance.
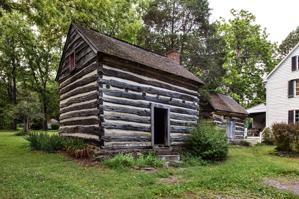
(27, 174)
(122, 161)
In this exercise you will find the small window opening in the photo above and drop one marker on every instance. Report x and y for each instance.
(170, 99)
(143, 94)
(126, 90)
(72, 61)
(184, 101)
(107, 86)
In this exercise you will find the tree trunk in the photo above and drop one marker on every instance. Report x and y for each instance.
(14, 95)
(45, 112)
(26, 125)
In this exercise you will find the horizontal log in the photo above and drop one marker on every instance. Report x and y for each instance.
(133, 127)
(118, 132)
(134, 96)
(127, 76)
(80, 58)
(183, 123)
(183, 117)
(84, 89)
(87, 80)
(177, 129)
(122, 101)
(120, 109)
(79, 74)
(93, 130)
(92, 121)
(126, 118)
(126, 138)
(81, 106)
(84, 98)
(151, 73)
(150, 90)
(126, 145)
(81, 135)
(177, 143)
(80, 113)
(65, 75)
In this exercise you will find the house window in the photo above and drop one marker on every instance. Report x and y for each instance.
(293, 116)
(296, 116)
(297, 87)
(72, 61)
(293, 88)
(295, 63)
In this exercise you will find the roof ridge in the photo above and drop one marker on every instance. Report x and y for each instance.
(124, 41)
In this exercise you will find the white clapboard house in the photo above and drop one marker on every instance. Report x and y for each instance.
(282, 90)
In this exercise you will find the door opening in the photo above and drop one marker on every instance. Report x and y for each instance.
(160, 126)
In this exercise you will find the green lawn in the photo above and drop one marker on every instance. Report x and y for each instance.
(27, 174)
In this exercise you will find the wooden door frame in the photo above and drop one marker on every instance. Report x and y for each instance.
(167, 108)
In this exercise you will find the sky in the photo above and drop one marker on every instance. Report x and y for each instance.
(279, 17)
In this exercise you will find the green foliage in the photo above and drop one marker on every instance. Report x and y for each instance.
(208, 142)
(248, 56)
(54, 126)
(45, 142)
(286, 136)
(268, 137)
(21, 133)
(288, 43)
(238, 177)
(184, 26)
(122, 161)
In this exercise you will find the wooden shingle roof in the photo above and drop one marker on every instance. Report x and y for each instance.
(225, 103)
(115, 47)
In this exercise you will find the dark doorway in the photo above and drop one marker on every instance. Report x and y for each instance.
(160, 124)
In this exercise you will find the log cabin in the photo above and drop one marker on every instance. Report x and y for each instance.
(123, 96)
(226, 113)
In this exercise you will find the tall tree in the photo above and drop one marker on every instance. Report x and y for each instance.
(15, 33)
(249, 55)
(288, 43)
(184, 26)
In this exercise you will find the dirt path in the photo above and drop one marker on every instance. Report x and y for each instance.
(284, 184)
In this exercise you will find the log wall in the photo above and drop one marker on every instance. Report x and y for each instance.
(221, 120)
(78, 89)
(125, 108)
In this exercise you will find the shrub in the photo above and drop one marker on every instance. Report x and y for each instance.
(128, 160)
(54, 126)
(21, 133)
(149, 159)
(283, 136)
(77, 148)
(45, 142)
(120, 161)
(268, 137)
(208, 142)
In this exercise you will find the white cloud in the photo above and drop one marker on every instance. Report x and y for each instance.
(278, 17)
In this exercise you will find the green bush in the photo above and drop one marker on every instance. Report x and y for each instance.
(268, 137)
(21, 133)
(286, 137)
(45, 142)
(208, 142)
(128, 160)
(120, 161)
(149, 159)
(75, 147)
(54, 126)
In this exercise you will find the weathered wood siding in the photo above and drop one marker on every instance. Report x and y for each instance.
(79, 90)
(222, 120)
(126, 99)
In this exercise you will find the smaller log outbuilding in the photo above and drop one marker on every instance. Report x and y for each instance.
(226, 113)
(123, 96)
